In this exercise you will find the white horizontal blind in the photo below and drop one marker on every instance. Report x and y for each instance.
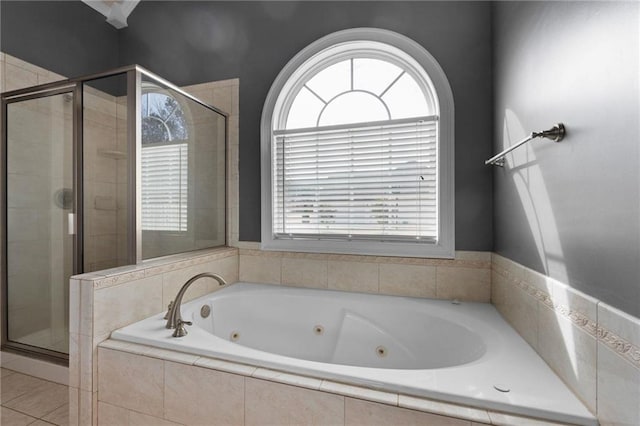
(164, 187)
(361, 181)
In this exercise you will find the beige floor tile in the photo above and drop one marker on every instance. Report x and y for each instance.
(110, 415)
(139, 419)
(18, 384)
(4, 372)
(41, 401)
(39, 423)
(9, 417)
(60, 416)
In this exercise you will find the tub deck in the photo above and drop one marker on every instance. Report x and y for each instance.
(508, 362)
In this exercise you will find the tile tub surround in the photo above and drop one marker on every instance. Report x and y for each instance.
(140, 384)
(594, 348)
(423, 337)
(104, 301)
(467, 277)
(568, 319)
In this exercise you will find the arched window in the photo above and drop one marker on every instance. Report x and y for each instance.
(165, 153)
(357, 144)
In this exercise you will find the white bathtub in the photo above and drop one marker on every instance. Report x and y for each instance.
(431, 348)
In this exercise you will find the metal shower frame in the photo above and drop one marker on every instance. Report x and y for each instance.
(134, 75)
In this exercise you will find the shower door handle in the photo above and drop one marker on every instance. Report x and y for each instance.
(71, 222)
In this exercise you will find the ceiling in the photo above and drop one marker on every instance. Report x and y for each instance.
(116, 11)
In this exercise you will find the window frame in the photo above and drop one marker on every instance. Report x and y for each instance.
(294, 75)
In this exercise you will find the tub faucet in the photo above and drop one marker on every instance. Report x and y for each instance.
(174, 318)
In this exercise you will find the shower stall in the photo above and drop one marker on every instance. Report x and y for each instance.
(98, 172)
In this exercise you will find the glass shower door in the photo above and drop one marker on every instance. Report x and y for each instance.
(40, 221)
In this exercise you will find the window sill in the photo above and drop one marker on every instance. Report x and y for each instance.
(371, 248)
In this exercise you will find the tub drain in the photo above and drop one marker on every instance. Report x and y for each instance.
(381, 351)
(318, 329)
(234, 336)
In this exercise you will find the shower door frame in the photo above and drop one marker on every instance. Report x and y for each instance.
(39, 92)
(134, 74)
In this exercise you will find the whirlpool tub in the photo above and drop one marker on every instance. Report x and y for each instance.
(457, 352)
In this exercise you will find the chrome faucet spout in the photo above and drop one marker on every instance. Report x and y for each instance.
(174, 317)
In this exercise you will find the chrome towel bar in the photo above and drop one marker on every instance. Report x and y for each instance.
(556, 133)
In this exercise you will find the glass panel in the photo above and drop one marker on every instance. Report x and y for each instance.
(353, 107)
(183, 173)
(332, 80)
(373, 75)
(304, 110)
(39, 199)
(405, 99)
(106, 180)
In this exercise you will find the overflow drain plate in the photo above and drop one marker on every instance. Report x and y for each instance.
(205, 311)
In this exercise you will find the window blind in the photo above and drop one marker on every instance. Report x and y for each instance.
(360, 181)
(164, 187)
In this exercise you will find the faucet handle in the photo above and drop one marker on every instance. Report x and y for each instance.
(166, 316)
(181, 330)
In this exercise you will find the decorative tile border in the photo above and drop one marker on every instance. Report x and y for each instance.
(577, 318)
(116, 276)
(623, 348)
(626, 350)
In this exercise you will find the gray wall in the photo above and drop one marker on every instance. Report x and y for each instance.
(570, 210)
(193, 42)
(66, 37)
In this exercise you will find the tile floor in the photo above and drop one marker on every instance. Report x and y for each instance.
(27, 400)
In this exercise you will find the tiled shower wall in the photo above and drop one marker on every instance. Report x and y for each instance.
(46, 125)
(101, 179)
